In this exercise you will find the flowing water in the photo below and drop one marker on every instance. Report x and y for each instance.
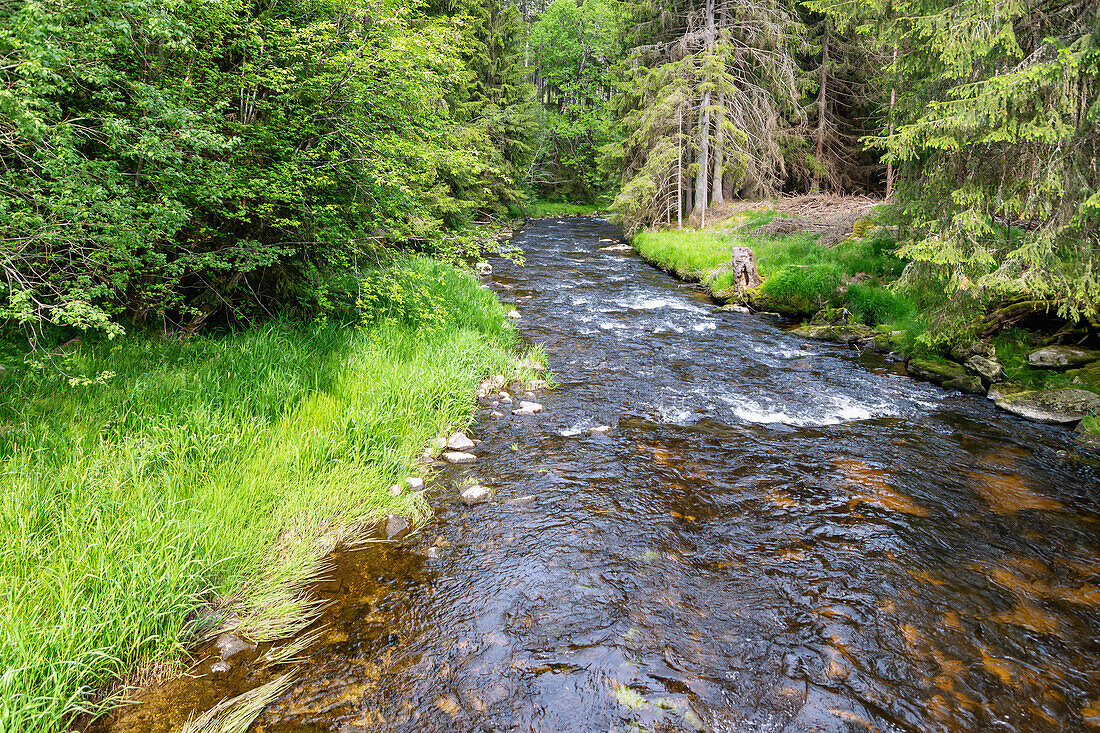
(771, 536)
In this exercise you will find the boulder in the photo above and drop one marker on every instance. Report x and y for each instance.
(962, 352)
(458, 457)
(989, 370)
(970, 385)
(475, 495)
(1051, 405)
(527, 408)
(1061, 357)
(935, 371)
(849, 333)
(459, 441)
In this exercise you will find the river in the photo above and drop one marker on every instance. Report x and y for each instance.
(771, 536)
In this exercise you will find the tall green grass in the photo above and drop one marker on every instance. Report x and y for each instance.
(541, 209)
(213, 468)
(800, 275)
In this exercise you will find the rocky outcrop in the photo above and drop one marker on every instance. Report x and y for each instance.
(1061, 357)
(1051, 405)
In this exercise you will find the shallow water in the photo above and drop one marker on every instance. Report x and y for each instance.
(772, 536)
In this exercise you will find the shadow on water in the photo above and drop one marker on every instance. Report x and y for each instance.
(772, 536)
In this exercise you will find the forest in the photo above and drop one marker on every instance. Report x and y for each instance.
(291, 192)
(169, 163)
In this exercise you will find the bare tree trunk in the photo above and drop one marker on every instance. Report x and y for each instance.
(890, 163)
(680, 173)
(823, 80)
(702, 173)
(716, 188)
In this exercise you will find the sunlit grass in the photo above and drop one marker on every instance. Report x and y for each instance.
(800, 275)
(540, 209)
(222, 467)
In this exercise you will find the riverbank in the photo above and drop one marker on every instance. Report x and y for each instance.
(158, 490)
(841, 278)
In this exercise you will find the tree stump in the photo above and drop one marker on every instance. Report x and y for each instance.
(745, 276)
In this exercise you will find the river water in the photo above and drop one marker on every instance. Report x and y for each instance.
(771, 536)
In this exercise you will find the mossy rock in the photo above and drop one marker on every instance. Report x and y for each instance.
(969, 385)
(1061, 357)
(1052, 405)
(936, 370)
(1088, 374)
(846, 334)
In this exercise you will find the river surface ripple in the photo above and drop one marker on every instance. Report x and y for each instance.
(772, 536)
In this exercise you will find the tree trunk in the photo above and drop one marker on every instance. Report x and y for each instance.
(680, 172)
(716, 188)
(743, 264)
(890, 163)
(823, 81)
(703, 172)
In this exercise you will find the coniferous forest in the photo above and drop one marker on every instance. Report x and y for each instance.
(165, 160)
(282, 198)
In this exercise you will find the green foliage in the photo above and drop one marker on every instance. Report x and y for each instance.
(212, 467)
(161, 161)
(573, 48)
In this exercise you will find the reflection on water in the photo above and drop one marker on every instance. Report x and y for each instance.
(772, 536)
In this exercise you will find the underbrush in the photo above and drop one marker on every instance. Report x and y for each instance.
(147, 482)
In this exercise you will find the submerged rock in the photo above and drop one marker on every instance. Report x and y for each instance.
(988, 369)
(459, 442)
(1052, 405)
(1061, 357)
(521, 500)
(937, 372)
(396, 527)
(229, 645)
(475, 495)
(459, 457)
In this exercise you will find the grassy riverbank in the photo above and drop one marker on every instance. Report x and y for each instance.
(210, 476)
(802, 277)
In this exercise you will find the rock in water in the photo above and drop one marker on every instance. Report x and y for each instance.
(1061, 357)
(970, 385)
(935, 371)
(989, 370)
(484, 269)
(745, 276)
(454, 456)
(475, 495)
(396, 527)
(527, 408)
(513, 314)
(459, 441)
(229, 645)
(1051, 405)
